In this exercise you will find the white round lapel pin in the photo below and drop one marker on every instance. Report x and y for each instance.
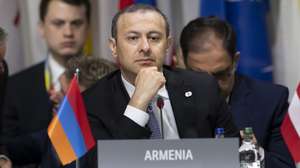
(188, 94)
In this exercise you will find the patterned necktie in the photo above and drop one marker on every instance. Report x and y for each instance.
(153, 124)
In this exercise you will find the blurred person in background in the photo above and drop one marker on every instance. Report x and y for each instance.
(27, 111)
(91, 69)
(4, 161)
(3, 66)
(209, 44)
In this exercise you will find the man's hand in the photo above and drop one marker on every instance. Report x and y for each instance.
(147, 83)
(65, 83)
(56, 97)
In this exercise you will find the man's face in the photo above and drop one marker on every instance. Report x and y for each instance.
(141, 42)
(215, 60)
(64, 29)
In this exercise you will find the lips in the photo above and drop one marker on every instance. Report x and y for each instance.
(70, 44)
(145, 61)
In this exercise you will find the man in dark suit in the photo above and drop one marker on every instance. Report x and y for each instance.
(3, 66)
(4, 161)
(124, 104)
(209, 44)
(32, 93)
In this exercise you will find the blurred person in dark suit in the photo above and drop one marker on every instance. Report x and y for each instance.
(209, 44)
(28, 105)
(4, 161)
(91, 69)
(3, 66)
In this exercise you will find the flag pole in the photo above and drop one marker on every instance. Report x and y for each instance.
(77, 78)
(74, 99)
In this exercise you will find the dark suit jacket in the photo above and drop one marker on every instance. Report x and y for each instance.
(3, 80)
(27, 114)
(262, 106)
(196, 116)
(27, 111)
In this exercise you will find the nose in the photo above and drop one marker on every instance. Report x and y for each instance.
(68, 31)
(145, 46)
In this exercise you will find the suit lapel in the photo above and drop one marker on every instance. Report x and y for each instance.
(181, 102)
(238, 103)
(122, 100)
(43, 93)
(38, 105)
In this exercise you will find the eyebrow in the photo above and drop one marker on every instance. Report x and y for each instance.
(66, 20)
(132, 32)
(155, 32)
(151, 32)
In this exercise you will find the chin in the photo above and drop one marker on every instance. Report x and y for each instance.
(70, 53)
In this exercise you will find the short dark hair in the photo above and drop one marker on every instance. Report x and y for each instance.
(3, 35)
(198, 30)
(45, 3)
(91, 69)
(134, 8)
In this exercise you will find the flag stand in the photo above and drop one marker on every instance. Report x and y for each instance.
(77, 78)
(77, 163)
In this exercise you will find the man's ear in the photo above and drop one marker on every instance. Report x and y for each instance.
(113, 47)
(236, 59)
(169, 42)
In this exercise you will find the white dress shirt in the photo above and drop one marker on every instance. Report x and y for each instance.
(55, 70)
(141, 117)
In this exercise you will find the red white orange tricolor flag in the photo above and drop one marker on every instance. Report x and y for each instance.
(290, 128)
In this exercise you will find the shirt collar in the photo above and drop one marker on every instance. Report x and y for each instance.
(55, 69)
(130, 89)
